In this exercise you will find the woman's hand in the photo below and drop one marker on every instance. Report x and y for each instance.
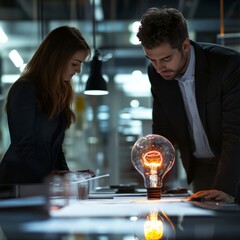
(212, 195)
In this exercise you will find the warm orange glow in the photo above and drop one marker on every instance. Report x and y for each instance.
(153, 160)
(153, 227)
(221, 17)
(54, 208)
(80, 103)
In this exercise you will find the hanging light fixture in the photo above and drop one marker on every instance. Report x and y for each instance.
(96, 84)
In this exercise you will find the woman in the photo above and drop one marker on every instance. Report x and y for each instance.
(39, 108)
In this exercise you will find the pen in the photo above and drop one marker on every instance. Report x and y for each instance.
(89, 179)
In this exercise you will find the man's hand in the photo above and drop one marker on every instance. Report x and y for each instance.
(212, 195)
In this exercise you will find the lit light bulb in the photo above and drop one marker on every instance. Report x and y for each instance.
(153, 156)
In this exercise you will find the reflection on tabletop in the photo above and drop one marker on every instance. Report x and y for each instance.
(118, 216)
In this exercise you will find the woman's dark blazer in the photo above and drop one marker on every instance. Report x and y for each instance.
(217, 87)
(36, 142)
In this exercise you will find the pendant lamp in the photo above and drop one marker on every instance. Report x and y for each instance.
(96, 84)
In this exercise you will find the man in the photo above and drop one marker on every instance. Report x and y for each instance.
(196, 101)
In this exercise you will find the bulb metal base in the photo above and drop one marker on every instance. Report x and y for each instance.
(153, 193)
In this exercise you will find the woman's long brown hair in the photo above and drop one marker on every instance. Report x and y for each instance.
(54, 95)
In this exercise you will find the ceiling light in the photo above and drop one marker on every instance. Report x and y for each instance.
(16, 58)
(133, 28)
(3, 36)
(96, 84)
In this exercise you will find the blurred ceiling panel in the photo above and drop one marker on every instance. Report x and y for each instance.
(26, 22)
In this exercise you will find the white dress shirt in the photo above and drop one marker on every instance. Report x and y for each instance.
(187, 87)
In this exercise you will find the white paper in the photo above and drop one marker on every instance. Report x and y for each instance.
(119, 207)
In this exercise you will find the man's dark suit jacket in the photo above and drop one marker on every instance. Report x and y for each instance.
(217, 87)
(36, 141)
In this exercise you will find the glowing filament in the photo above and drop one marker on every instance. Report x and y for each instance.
(153, 160)
(153, 227)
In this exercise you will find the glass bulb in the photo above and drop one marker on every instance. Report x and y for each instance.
(153, 156)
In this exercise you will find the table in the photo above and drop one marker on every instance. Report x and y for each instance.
(122, 217)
